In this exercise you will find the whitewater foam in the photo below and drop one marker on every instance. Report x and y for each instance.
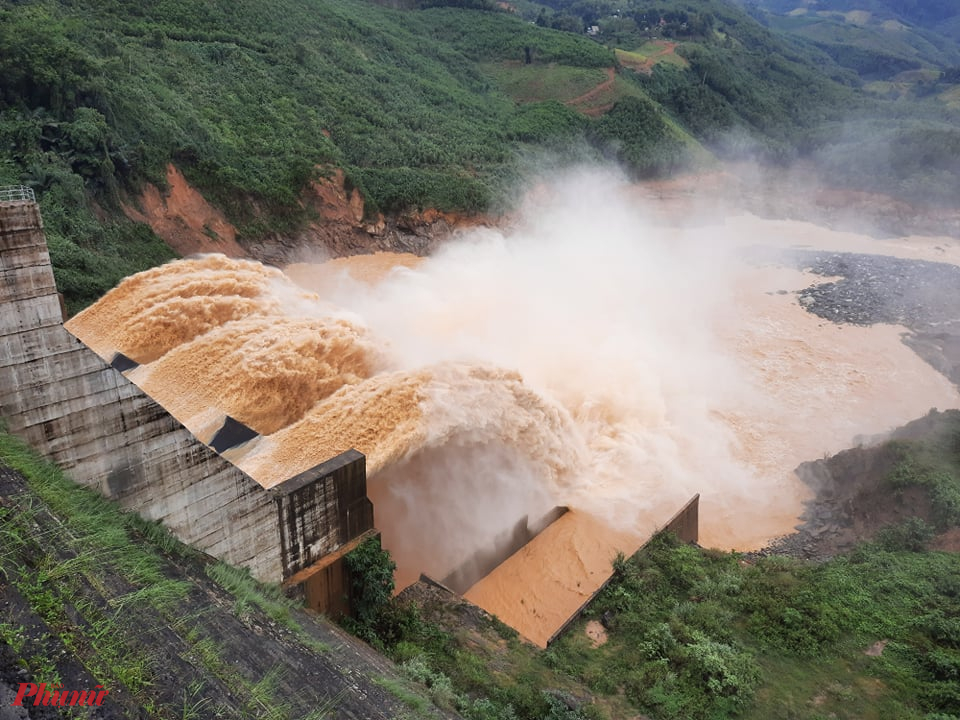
(587, 358)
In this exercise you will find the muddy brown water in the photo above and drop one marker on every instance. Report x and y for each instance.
(517, 371)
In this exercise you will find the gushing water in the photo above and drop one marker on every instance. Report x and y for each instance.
(588, 356)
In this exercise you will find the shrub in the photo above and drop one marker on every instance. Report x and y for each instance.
(730, 673)
(371, 589)
(912, 535)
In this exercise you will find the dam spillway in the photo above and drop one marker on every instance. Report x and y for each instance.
(107, 434)
(663, 363)
(78, 406)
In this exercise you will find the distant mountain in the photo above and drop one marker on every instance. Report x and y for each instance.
(936, 15)
(878, 38)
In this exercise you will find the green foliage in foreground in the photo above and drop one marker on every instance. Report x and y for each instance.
(702, 635)
(371, 587)
(697, 634)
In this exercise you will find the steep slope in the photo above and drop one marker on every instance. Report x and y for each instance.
(93, 596)
(938, 16)
(783, 81)
(252, 103)
(876, 38)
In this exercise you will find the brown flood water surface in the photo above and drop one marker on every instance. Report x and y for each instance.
(591, 360)
(821, 388)
(809, 388)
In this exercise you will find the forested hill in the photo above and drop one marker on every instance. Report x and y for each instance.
(876, 38)
(421, 104)
(937, 16)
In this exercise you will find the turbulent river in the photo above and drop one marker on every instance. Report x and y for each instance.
(598, 354)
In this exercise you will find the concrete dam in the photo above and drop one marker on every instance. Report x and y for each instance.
(264, 427)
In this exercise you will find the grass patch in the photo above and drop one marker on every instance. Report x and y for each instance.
(161, 596)
(249, 592)
(951, 97)
(402, 692)
(649, 54)
(884, 88)
(841, 688)
(537, 83)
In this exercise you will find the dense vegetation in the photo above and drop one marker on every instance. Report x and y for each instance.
(706, 634)
(434, 104)
(876, 38)
(703, 634)
(783, 85)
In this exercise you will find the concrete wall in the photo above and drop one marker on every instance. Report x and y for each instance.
(322, 509)
(72, 407)
(686, 523)
(485, 560)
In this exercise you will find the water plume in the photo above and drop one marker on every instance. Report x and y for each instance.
(266, 371)
(152, 312)
(602, 353)
(393, 415)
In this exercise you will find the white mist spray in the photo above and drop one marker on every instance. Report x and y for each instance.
(592, 355)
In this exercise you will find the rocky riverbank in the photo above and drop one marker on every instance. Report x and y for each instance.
(852, 499)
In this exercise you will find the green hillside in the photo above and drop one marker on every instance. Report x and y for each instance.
(251, 101)
(427, 104)
(906, 54)
(936, 16)
(876, 38)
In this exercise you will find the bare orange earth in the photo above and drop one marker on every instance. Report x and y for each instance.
(184, 219)
(190, 225)
(597, 633)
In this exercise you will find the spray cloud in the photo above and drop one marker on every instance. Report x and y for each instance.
(594, 354)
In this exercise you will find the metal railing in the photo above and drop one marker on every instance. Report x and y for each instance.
(17, 193)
